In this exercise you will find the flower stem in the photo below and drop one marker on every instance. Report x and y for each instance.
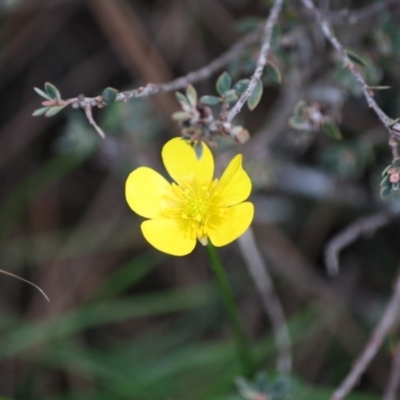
(233, 315)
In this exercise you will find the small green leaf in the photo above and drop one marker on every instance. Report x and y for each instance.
(356, 58)
(53, 111)
(299, 108)
(109, 95)
(386, 170)
(273, 72)
(241, 86)
(332, 131)
(181, 98)
(385, 181)
(231, 96)
(395, 186)
(191, 94)
(379, 87)
(41, 93)
(224, 82)
(255, 97)
(40, 111)
(198, 149)
(210, 100)
(52, 91)
(180, 116)
(394, 122)
(298, 123)
(385, 191)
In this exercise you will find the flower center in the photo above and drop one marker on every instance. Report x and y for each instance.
(198, 208)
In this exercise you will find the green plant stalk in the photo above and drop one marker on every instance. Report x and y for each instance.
(233, 315)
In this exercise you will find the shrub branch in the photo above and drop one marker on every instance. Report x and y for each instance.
(261, 61)
(393, 127)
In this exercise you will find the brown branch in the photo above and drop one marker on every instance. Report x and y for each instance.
(391, 126)
(262, 59)
(179, 83)
(393, 385)
(271, 302)
(380, 332)
(365, 225)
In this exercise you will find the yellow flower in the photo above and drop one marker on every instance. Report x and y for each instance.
(194, 206)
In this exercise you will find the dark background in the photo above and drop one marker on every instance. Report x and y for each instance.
(125, 321)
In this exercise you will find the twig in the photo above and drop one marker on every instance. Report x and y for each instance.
(270, 299)
(262, 59)
(195, 76)
(89, 116)
(380, 332)
(350, 234)
(354, 16)
(393, 127)
(25, 280)
(393, 385)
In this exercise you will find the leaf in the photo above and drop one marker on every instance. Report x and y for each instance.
(299, 123)
(386, 170)
(241, 86)
(210, 100)
(40, 111)
(379, 87)
(231, 96)
(273, 72)
(255, 97)
(52, 91)
(41, 93)
(224, 82)
(53, 111)
(181, 99)
(191, 94)
(198, 149)
(332, 131)
(356, 58)
(299, 108)
(385, 191)
(109, 95)
(385, 181)
(180, 116)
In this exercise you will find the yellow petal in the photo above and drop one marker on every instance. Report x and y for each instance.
(182, 164)
(165, 235)
(235, 183)
(144, 191)
(238, 219)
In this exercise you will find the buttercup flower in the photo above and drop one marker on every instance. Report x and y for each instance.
(194, 206)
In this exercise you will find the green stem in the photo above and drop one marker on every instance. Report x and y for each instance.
(230, 306)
